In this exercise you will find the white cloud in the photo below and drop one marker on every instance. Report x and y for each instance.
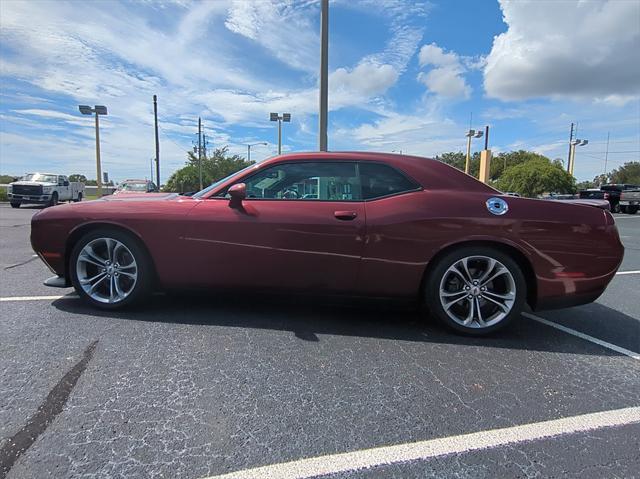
(283, 28)
(446, 77)
(364, 81)
(574, 49)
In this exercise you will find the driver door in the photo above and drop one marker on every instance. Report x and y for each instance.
(301, 227)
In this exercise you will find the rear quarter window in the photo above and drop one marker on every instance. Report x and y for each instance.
(379, 180)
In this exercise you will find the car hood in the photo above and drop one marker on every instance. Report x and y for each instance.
(140, 197)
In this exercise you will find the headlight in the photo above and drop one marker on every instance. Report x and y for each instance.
(47, 189)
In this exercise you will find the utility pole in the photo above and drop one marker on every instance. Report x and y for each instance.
(204, 145)
(155, 116)
(200, 149)
(569, 156)
(324, 75)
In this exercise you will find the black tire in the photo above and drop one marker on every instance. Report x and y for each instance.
(615, 208)
(623, 209)
(440, 270)
(144, 264)
(15, 204)
(54, 199)
(632, 210)
(79, 198)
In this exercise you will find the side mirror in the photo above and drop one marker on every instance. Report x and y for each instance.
(237, 192)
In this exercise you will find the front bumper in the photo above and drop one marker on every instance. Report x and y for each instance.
(13, 198)
(57, 282)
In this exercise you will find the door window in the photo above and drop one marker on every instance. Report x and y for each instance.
(379, 180)
(328, 181)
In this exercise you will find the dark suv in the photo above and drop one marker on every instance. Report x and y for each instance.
(610, 192)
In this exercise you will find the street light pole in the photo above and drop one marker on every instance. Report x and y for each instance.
(253, 144)
(324, 75)
(155, 116)
(98, 164)
(286, 117)
(98, 110)
(572, 151)
(470, 134)
(200, 150)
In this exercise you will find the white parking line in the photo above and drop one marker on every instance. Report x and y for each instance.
(599, 342)
(421, 450)
(37, 298)
(629, 272)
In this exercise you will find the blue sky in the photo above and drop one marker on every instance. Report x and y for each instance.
(404, 75)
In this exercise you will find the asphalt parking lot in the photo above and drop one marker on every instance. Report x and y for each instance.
(199, 386)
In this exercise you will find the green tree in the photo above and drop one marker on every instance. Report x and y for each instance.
(6, 179)
(214, 167)
(78, 177)
(585, 185)
(536, 176)
(458, 160)
(502, 161)
(627, 173)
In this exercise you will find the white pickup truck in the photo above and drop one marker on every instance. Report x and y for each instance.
(44, 188)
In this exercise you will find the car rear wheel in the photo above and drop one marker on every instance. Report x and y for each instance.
(476, 290)
(632, 210)
(79, 198)
(615, 208)
(15, 204)
(109, 269)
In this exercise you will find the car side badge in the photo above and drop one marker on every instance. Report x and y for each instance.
(497, 206)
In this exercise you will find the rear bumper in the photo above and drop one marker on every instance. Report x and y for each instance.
(567, 301)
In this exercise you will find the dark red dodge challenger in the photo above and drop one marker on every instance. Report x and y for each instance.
(362, 224)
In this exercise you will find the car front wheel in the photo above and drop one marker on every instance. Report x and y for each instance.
(476, 290)
(54, 199)
(109, 269)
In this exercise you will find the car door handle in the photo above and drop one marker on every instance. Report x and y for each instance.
(345, 215)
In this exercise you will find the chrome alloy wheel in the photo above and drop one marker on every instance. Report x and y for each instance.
(477, 292)
(107, 270)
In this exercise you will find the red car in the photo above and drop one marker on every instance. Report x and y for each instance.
(361, 224)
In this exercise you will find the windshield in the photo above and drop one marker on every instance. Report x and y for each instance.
(201, 193)
(40, 177)
(133, 187)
